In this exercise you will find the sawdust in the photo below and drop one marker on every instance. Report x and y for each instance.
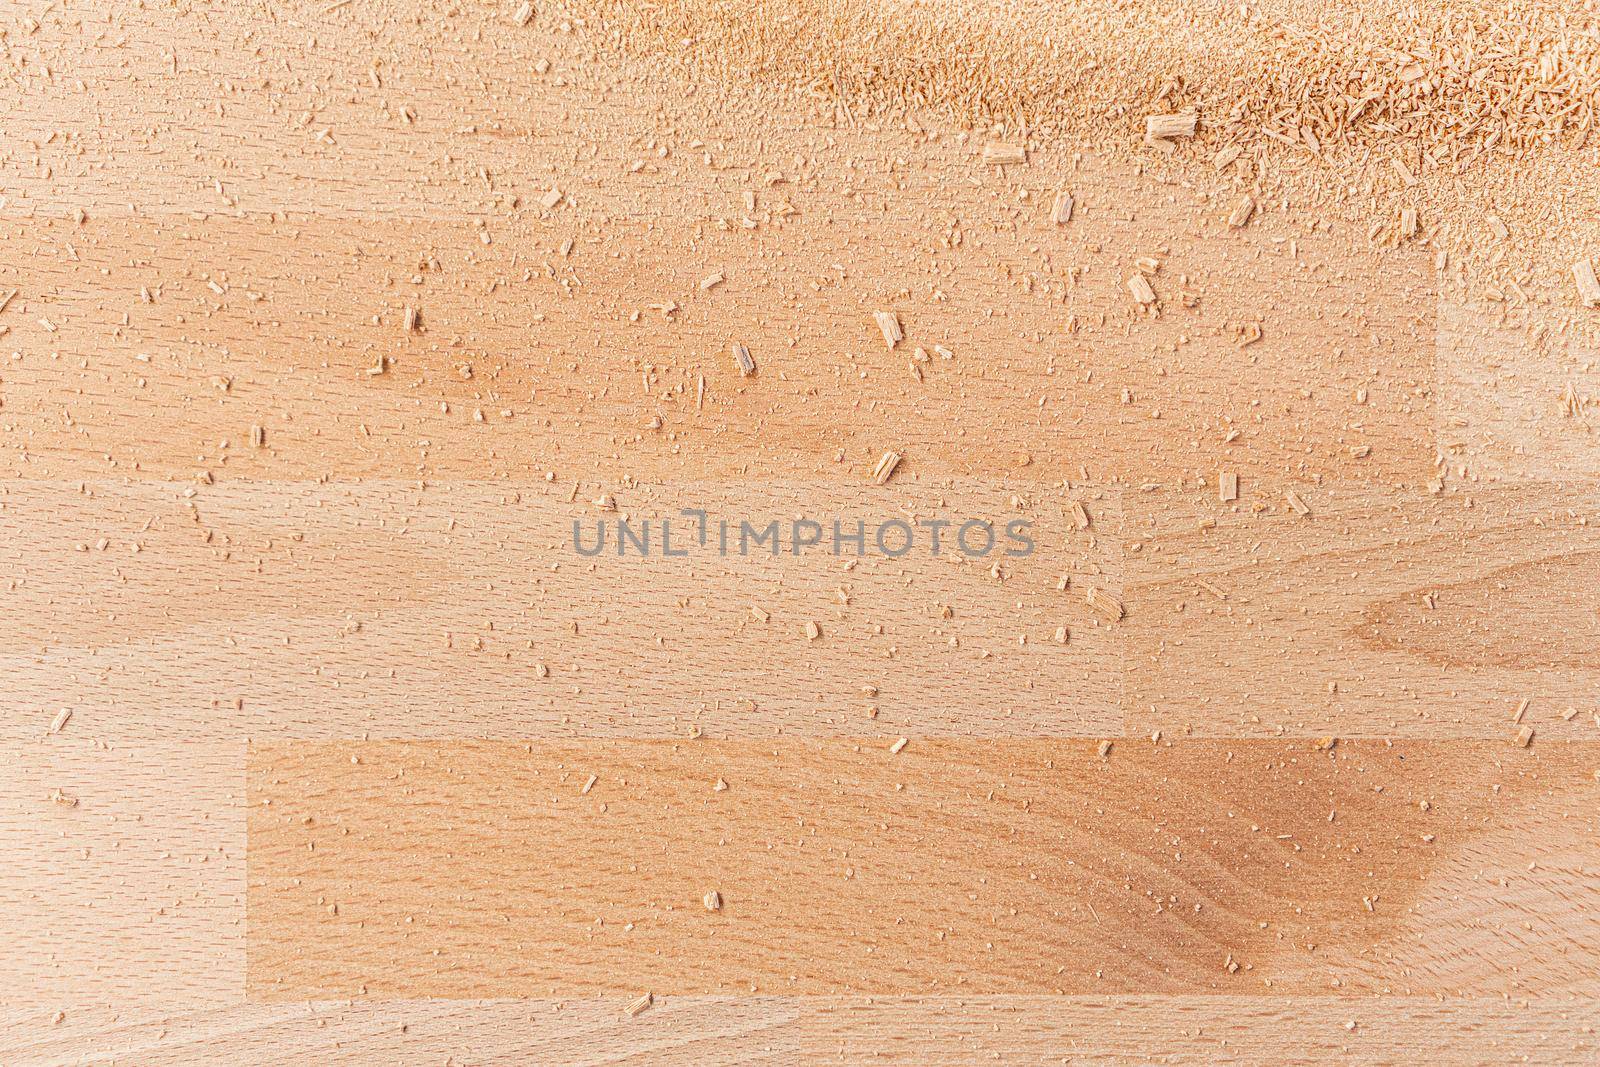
(1475, 116)
(1457, 78)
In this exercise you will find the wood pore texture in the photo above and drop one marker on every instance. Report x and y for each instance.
(364, 764)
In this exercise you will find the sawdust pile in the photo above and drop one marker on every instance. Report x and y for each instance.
(1455, 79)
(1465, 125)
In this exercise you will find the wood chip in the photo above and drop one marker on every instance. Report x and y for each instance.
(1103, 602)
(1080, 515)
(813, 631)
(895, 748)
(1103, 749)
(1245, 334)
(1165, 127)
(1228, 486)
(1300, 507)
(884, 469)
(711, 281)
(551, 199)
(1061, 210)
(588, 785)
(60, 720)
(1139, 286)
(1241, 213)
(1525, 737)
(524, 15)
(637, 1006)
(1408, 223)
(412, 319)
(258, 436)
(1002, 155)
(713, 901)
(889, 323)
(741, 356)
(1588, 285)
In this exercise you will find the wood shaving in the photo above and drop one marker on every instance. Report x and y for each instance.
(889, 324)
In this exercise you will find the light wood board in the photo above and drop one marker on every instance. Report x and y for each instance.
(303, 576)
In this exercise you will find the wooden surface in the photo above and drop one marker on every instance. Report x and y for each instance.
(338, 685)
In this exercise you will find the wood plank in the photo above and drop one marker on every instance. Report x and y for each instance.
(921, 1030)
(272, 610)
(1377, 614)
(1518, 393)
(124, 881)
(528, 361)
(474, 869)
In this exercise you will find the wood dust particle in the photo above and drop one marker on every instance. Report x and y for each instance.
(884, 469)
(1104, 603)
(889, 325)
(1588, 285)
(1061, 210)
(1159, 128)
(1004, 154)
